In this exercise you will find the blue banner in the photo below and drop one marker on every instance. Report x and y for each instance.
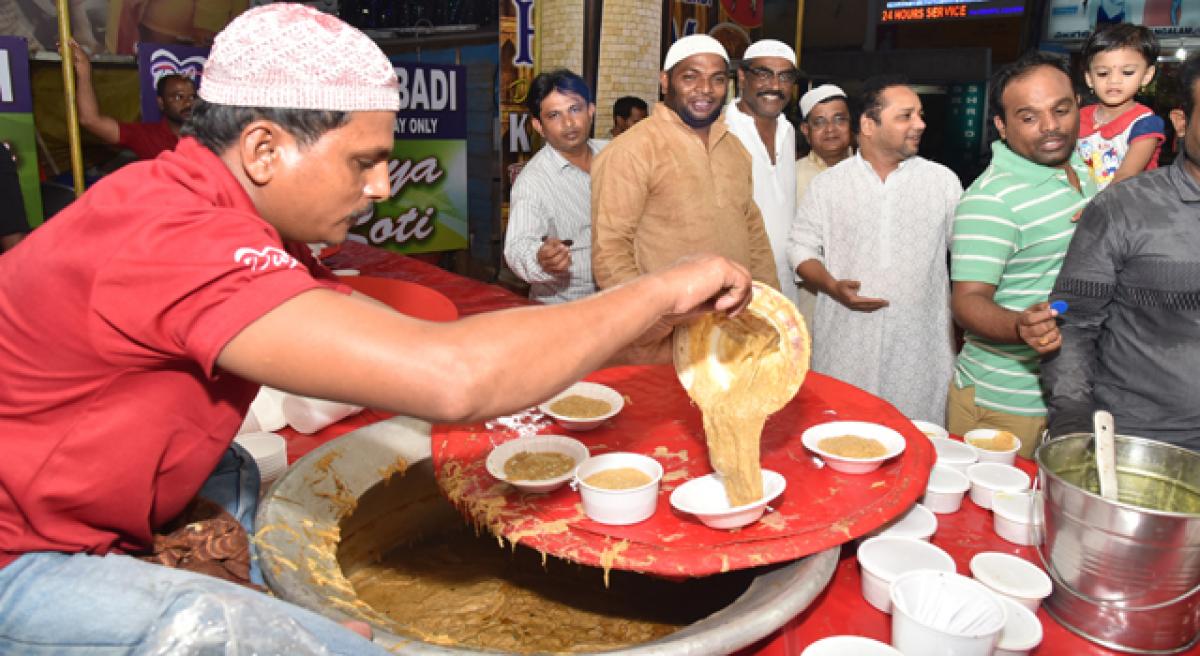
(156, 60)
(15, 94)
(433, 101)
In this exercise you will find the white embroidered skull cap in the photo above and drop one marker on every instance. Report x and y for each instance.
(695, 44)
(292, 56)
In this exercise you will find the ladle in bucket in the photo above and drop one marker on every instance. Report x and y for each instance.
(1106, 453)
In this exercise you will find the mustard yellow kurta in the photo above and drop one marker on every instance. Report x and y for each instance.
(659, 193)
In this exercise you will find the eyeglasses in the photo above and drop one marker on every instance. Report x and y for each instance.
(838, 120)
(180, 97)
(764, 75)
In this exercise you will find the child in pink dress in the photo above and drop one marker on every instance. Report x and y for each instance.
(1119, 137)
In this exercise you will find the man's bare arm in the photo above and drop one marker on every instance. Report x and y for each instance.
(325, 344)
(104, 127)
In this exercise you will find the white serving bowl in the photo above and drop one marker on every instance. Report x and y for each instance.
(883, 559)
(705, 498)
(849, 645)
(892, 441)
(536, 444)
(945, 490)
(592, 391)
(1018, 516)
(954, 454)
(619, 507)
(1013, 577)
(1022, 631)
(931, 430)
(945, 613)
(919, 522)
(988, 478)
(987, 455)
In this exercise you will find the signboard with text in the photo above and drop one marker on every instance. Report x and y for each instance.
(1074, 20)
(967, 110)
(908, 11)
(735, 24)
(427, 207)
(158, 60)
(16, 122)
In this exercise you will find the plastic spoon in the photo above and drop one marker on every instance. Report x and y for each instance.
(1106, 456)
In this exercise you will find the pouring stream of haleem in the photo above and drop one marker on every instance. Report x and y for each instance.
(739, 371)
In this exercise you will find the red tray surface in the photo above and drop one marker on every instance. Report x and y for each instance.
(821, 508)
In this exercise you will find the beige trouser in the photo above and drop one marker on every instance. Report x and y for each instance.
(963, 415)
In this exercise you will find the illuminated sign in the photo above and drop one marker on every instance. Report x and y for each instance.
(906, 11)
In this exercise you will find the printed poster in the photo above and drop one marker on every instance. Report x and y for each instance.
(157, 60)
(735, 23)
(427, 208)
(517, 70)
(16, 122)
(1074, 20)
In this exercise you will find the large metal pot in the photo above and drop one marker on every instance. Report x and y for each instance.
(307, 533)
(1127, 572)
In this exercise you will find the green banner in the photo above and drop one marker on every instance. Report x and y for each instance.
(427, 210)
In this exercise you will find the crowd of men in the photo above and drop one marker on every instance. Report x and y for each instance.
(884, 252)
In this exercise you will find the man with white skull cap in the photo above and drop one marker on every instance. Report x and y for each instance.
(766, 78)
(678, 182)
(135, 333)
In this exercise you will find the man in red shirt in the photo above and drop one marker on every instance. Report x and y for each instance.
(176, 96)
(134, 334)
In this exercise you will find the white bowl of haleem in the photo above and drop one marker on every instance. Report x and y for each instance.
(539, 463)
(853, 447)
(705, 497)
(583, 406)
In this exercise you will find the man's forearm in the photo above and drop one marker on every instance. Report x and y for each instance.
(815, 275)
(981, 316)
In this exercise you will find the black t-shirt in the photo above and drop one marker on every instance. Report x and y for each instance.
(12, 205)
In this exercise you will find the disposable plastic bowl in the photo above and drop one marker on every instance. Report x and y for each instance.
(591, 391)
(919, 522)
(944, 613)
(883, 559)
(1022, 631)
(1017, 516)
(536, 444)
(987, 455)
(308, 414)
(945, 490)
(849, 645)
(269, 452)
(988, 478)
(931, 430)
(705, 498)
(619, 507)
(1013, 577)
(892, 441)
(954, 454)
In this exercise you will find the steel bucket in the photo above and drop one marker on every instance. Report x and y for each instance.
(1125, 576)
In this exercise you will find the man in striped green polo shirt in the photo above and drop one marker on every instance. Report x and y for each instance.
(1011, 232)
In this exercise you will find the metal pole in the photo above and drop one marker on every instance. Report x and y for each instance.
(799, 30)
(68, 73)
(537, 35)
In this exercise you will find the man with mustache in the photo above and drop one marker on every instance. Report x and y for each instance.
(678, 182)
(1011, 232)
(548, 242)
(1131, 334)
(176, 96)
(766, 78)
(136, 331)
(871, 235)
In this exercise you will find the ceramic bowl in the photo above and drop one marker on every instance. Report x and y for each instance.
(536, 444)
(892, 441)
(705, 498)
(849, 645)
(591, 391)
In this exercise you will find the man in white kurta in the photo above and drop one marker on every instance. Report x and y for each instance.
(872, 234)
(766, 79)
